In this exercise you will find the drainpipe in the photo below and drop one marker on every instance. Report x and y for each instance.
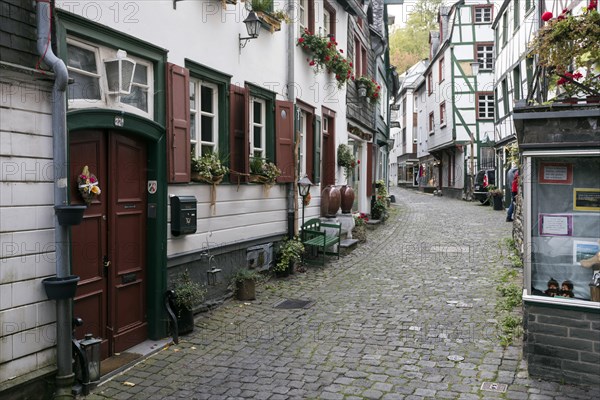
(64, 377)
(291, 96)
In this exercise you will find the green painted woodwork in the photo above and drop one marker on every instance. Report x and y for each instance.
(153, 132)
(269, 98)
(222, 81)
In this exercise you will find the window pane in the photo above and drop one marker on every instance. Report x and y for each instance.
(207, 149)
(257, 112)
(84, 87)
(192, 96)
(141, 74)
(206, 128)
(81, 58)
(138, 98)
(193, 135)
(257, 137)
(206, 99)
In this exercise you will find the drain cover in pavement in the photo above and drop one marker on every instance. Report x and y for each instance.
(290, 304)
(494, 387)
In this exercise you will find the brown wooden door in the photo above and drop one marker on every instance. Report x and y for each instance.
(109, 247)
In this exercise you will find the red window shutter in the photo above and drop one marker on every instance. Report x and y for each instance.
(284, 140)
(369, 169)
(178, 123)
(239, 141)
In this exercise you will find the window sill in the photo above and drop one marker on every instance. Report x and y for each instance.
(268, 21)
(532, 299)
(442, 125)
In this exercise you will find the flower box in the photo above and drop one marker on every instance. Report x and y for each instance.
(61, 288)
(70, 214)
(269, 21)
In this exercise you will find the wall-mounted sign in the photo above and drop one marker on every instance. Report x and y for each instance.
(585, 199)
(556, 173)
(152, 186)
(119, 121)
(556, 224)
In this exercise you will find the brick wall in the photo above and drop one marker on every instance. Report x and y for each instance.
(562, 344)
(18, 32)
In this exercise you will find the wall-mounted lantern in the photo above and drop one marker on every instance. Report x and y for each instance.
(119, 73)
(252, 26)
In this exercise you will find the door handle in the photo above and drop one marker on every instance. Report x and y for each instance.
(106, 265)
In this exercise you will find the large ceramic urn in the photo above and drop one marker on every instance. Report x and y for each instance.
(330, 201)
(347, 194)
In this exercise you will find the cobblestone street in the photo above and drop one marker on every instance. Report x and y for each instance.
(410, 314)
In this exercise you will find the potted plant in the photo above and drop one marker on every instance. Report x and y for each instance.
(325, 55)
(267, 16)
(568, 47)
(188, 294)
(371, 87)
(359, 231)
(208, 168)
(290, 253)
(496, 195)
(244, 282)
(346, 159)
(262, 171)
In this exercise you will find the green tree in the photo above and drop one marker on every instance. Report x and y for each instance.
(410, 44)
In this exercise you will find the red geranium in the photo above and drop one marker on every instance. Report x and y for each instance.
(547, 16)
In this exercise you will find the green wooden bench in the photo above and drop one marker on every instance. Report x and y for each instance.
(314, 234)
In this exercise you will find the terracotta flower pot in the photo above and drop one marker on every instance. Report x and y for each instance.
(347, 194)
(330, 201)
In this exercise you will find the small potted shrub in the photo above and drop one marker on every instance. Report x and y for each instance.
(244, 282)
(188, 294)
(290, 253)
(208, 168)
(496, 195)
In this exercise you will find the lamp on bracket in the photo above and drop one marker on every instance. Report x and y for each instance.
(119, 74)
(475, 68)
(252, 26)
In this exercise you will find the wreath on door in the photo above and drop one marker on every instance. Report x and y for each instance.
(88, 185)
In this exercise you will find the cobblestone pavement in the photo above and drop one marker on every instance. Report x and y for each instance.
(386, 322)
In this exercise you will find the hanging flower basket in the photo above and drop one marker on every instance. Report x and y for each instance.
(70, 214)
(61, 288)
(88, 185)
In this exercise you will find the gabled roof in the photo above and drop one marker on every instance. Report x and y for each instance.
(412, 75)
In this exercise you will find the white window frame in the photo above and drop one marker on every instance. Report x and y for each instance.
(485, 15)
(443, 114)
(486, 105)
(81, 103)
(485, 55)
(262, 124)
(302, 16)
(326, 22)
(303, 131)
(110, 101)
(197, 113)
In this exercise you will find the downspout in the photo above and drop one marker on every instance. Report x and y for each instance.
(64, 377)
(291, 96)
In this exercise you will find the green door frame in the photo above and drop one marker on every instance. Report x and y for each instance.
(156, 239)
(152, 131)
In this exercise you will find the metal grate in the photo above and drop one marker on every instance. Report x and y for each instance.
(494, 387)
(290, 304)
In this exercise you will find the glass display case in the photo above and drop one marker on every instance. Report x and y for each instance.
(562, 224)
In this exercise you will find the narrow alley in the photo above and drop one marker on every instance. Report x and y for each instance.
(410, 314)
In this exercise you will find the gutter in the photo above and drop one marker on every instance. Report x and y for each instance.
(64, 377)
(291, 196)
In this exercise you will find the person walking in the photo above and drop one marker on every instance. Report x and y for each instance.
(514, 190)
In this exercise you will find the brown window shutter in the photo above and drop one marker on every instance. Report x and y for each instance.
(369, 169)
(239, 144)
(178, 123)
(284, 140)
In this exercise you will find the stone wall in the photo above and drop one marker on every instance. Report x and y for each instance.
(562, 344)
